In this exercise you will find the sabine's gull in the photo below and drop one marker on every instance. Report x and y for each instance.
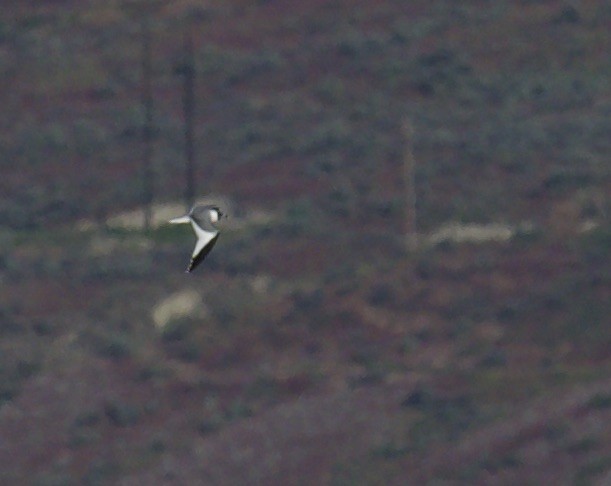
(202, 218)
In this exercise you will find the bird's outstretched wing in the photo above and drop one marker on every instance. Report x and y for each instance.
(197, 258)
(205, 242)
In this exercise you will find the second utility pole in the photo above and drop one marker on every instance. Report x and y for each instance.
(188, 71)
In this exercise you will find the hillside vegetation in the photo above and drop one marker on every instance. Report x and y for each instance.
(312, 346)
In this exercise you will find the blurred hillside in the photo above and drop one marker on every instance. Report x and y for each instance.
(311, 347)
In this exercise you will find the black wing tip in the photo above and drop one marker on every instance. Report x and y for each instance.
(197, 259)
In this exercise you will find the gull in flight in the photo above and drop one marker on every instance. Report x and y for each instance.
(202, 218)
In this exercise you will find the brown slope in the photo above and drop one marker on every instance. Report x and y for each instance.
(295, 443)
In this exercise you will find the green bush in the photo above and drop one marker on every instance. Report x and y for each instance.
(600, 401)
(115, 346)
(122, 414)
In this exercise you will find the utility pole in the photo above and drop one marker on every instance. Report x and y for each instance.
(188, 72)
(409, 177)
(147, 128)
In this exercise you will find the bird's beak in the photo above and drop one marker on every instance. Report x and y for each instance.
(182, 219)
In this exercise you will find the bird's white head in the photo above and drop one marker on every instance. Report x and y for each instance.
(216, 214)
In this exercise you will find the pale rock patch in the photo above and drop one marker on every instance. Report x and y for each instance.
(184, 303)
(471, 233)
(103, 245)
(260, 284)
(588, 226)
(160, 215)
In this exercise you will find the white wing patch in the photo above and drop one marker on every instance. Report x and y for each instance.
(203, 238)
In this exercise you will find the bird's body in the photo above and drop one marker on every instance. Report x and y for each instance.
(202, 218)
